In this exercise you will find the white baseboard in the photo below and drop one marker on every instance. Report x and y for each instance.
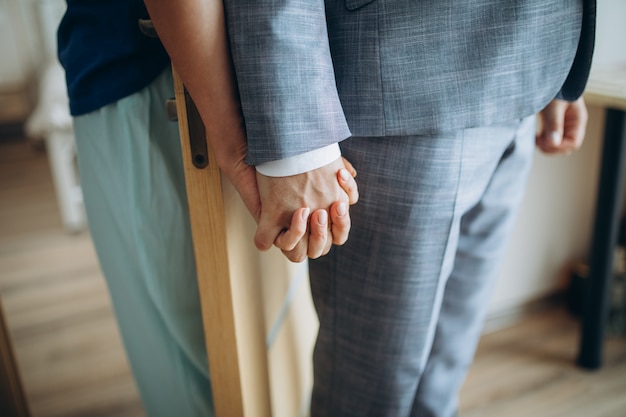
(506, 317)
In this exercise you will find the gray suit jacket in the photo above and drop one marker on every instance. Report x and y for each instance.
(311, 73)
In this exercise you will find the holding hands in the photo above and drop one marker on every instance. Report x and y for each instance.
(304, 214)
(286, 203)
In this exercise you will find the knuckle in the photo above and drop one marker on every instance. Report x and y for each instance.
(315, 232)
(299, 258)
(285, 245)
(260, 243)
(340, 237)
(295, 255)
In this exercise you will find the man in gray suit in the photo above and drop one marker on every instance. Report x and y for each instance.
(433, 103)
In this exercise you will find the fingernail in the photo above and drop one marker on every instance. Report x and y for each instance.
(305, 213)
(323, 218)
(342, 210)
(555, 138)
(344, 174)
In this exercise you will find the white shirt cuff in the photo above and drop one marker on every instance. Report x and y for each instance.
(298, 164)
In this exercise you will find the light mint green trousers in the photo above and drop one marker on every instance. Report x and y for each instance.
(134, 191)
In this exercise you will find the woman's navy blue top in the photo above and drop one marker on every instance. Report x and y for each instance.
(105, 55)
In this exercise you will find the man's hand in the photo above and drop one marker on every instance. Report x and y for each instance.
(287, 201)
(563, 126)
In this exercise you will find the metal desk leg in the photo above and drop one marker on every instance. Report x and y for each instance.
(608, 209)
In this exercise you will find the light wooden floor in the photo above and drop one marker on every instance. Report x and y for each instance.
(57, 307)
(73, 365)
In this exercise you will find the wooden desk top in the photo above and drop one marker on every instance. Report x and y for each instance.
(607, 88)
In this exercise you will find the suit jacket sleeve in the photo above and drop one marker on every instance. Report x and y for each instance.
(579, 73)
(285, 76)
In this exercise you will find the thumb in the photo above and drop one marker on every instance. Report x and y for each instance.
(552, 117)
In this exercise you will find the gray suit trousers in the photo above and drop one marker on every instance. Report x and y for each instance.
(401, 304)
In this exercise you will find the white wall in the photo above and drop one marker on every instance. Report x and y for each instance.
(611, 33)
(554, 225)
(555, 222)
(20, 42)
(27, 38)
